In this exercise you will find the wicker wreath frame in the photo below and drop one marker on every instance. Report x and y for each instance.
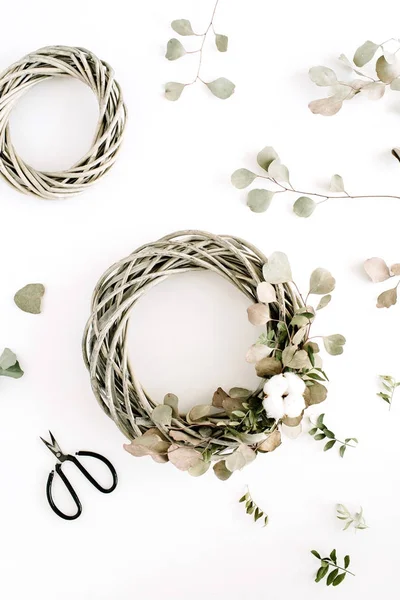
(113, 380)
(62, 61)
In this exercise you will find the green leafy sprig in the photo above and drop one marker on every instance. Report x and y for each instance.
(386, 74)
(277, 174)
(253, 509)
(337, 574)
(390, 385)
(321, 432)
(221, 88)
(378, 271)
(357, 520)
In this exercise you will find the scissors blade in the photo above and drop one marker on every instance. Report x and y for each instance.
(53, 446)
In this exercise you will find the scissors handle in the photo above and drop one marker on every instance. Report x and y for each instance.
(71, 490)
(89, 477)
(69, 487)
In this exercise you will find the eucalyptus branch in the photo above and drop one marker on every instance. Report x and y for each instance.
(221, 88)
(253, 509)
(321, 432)
(335, 577)
(259, 200)
(390, 385)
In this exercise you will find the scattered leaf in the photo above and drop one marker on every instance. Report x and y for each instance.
(327, 107)
(374, 90)
(29, 298)
(387, 298)
(278, 171)
(9, 365)
(174, 50)
(324, 302)
(221, 88)
(258, 200)
(334, 344)
(242, 178)
(387, 72)
(376, 269)
(304, 206)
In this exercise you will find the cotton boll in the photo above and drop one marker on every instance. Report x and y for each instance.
(276, 386)
(293, 405)
(295, 384)
(274, 407)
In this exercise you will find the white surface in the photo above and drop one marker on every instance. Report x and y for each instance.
(163, 534)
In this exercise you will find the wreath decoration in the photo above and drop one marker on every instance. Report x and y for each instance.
(232, 427)
(59, 61)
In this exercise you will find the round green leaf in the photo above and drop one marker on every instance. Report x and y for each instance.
(182, 26)
(321, 282)
(278, 171)
(29, 298)
(337, 184)
(387, 72)
(174, 49)
(221, 88)
(304, 206)
(242, 178)
(266, 156)
(221, 41)
(334, 344)
(277, 269)
(259, 200)
(365, 53)
(324, 301)
(322, 76)
(327, 107)
(173, 90)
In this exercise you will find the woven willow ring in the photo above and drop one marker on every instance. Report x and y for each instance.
(230, 428)
(62, 61)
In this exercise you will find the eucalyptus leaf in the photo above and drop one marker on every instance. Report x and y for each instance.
(268, 366)
(277, 269)
(172, 401)
(324, 302)
(221, 88)
(9, 365)
(162, 415)
(221, 41)
(184, 458)
(242, 178)
(336, 184)
(266, 156)
(387, 72)
(199, 412)
(199, 468)
(257, 352)
(258, 200)
(182, 26)
(376, 269)
(278, 171)
(173, 90)
(374, 90)
(242, 456)
(387, 298)
(327, 107)
(304, 206)
(266, 292)
(395, 84)
(365, 53)
(334, 344)
(221, 471)
(322, 76)
(174, 49)
(258, 314)
(321, 282)
(29, 298)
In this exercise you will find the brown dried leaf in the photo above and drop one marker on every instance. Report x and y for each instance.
(376, 269)
(199, 412)
(315, 394)
(292, 421)
(230, 404)
(395, 269)
(181, 436)
(271, 443)
(241, 457)
(268, 366)
(258, 314)
(172, 401)
(199, 468)
(151, 444)
(184, 458)
(326, 106)
(387, 299)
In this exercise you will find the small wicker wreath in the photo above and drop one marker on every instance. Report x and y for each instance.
(232, 428)
(60, 61)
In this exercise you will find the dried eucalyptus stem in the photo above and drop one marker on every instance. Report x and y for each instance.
(221, 88)
(259, 200)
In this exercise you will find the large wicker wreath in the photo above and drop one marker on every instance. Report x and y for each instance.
(59, 61)
(230, 428)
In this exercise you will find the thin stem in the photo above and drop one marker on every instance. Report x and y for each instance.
(332, 564)
(200, 50)
(324, 196)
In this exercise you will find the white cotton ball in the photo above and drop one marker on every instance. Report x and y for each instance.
(295, 384)
(277, 385)
(274, 407)
(294, 405)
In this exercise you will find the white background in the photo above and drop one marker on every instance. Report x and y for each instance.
(163, 534)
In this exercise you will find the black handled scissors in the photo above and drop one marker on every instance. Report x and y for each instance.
(56, 450)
